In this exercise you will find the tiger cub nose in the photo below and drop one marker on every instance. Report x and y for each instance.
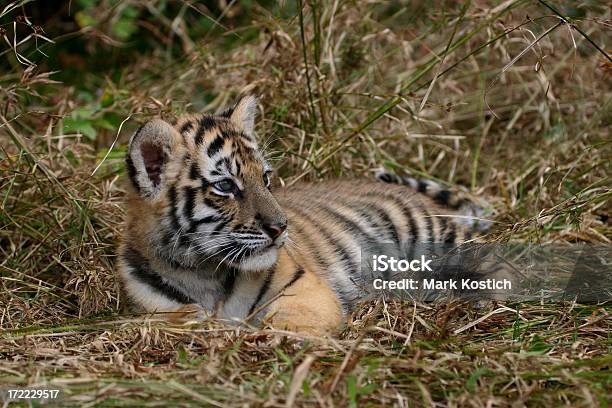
(274, 230)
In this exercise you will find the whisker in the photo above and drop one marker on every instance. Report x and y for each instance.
(226, 256)
(212, 255)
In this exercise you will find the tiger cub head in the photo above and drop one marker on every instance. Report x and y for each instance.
(200, 192)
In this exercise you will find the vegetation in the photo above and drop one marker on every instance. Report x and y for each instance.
(510, 99)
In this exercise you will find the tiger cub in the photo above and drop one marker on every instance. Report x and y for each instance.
(206, 235)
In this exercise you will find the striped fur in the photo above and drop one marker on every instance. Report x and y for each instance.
(193, 246)
(471, 214)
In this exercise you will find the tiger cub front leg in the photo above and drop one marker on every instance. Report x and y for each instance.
(303, 301)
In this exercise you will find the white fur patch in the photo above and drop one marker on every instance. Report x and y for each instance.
(145, 296)
(260, 261)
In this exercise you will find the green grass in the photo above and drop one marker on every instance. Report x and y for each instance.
(434, 90)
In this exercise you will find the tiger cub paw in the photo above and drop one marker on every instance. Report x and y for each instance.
(302, 324)
(187, 314)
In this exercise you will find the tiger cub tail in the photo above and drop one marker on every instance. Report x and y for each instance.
(478, 259)
(473, 215)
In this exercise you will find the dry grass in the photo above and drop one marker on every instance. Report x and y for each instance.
(392, 354)
(432, 90)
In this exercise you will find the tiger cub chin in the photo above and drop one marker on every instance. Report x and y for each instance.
(206, 235)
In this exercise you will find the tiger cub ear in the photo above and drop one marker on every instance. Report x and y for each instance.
(243, 113)
(148, 153)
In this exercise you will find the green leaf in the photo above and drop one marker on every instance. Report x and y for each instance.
(351, 385)
(538, 346)
(83, 126)
(84, 19)
(104, 124)
(367, 389)
(516, 328)
(123, 29)
(470, 384)
(72, 158)
(83, 113)
(86, 3)
(388, 164)
(306, 387)
(182, 355)
(126, 24)
(107, 99)
(284, 357)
